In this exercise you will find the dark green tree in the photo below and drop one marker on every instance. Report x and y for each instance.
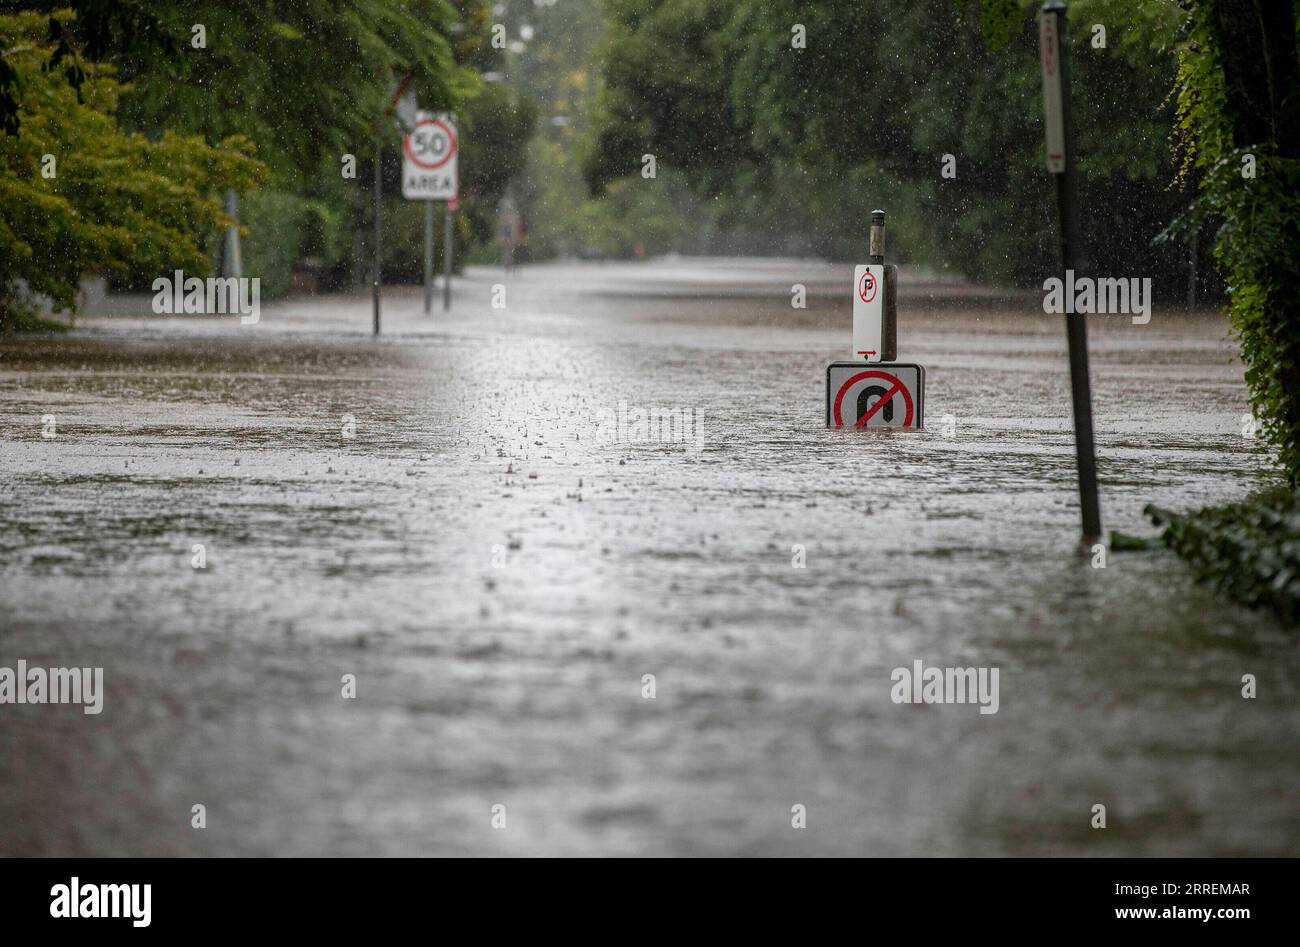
(804, 117)
(1239, 113)
(302, 78)
(79, 195)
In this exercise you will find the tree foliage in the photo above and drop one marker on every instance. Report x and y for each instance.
(809, 139)
(79, 195)
(307, 81)
(1248, 550)
(1239, 112)
(1239, 118)
(302, 78)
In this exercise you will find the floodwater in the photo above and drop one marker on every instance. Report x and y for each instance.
(500, 562)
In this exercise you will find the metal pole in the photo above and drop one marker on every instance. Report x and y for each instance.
(1076, 329)
(232, 263)
(889, 288)
(428, 256)
(377, 268)
(446, 258)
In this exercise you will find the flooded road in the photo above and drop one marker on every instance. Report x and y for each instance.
(455, 515)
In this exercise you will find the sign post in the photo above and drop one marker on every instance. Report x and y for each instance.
(1053, 56)
(430, 154)
(875, 310)
(378, 264)
(877, 392)
(428, 256)
(447, 244)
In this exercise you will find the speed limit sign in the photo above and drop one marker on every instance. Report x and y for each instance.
(429, 158)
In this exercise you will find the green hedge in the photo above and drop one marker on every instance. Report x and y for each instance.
(284, 229)
(1250, 550)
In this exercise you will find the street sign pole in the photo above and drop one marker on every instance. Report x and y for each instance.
(379, 185)
(430, 173)
(1054, 47)
(446, 258)
(875, 311)
(428, 256)
(877, 242)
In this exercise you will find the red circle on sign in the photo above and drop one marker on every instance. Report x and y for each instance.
(451, 140)
(894, 381)
(867, 288)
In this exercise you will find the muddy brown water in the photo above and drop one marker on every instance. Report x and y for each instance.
(499, 566)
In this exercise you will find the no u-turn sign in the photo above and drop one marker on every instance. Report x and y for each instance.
(870, 396)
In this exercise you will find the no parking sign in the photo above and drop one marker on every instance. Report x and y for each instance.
(869, 312)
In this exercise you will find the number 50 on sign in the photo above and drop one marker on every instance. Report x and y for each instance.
(429, 158)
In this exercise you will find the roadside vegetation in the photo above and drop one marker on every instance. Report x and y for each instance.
(794, 120)
(1239, 117)
(154, 115)
(1249, 550)
(80, 194)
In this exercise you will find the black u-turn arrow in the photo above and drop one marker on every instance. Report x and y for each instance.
(864, 403)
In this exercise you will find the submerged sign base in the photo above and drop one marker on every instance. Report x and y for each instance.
(871, 395)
